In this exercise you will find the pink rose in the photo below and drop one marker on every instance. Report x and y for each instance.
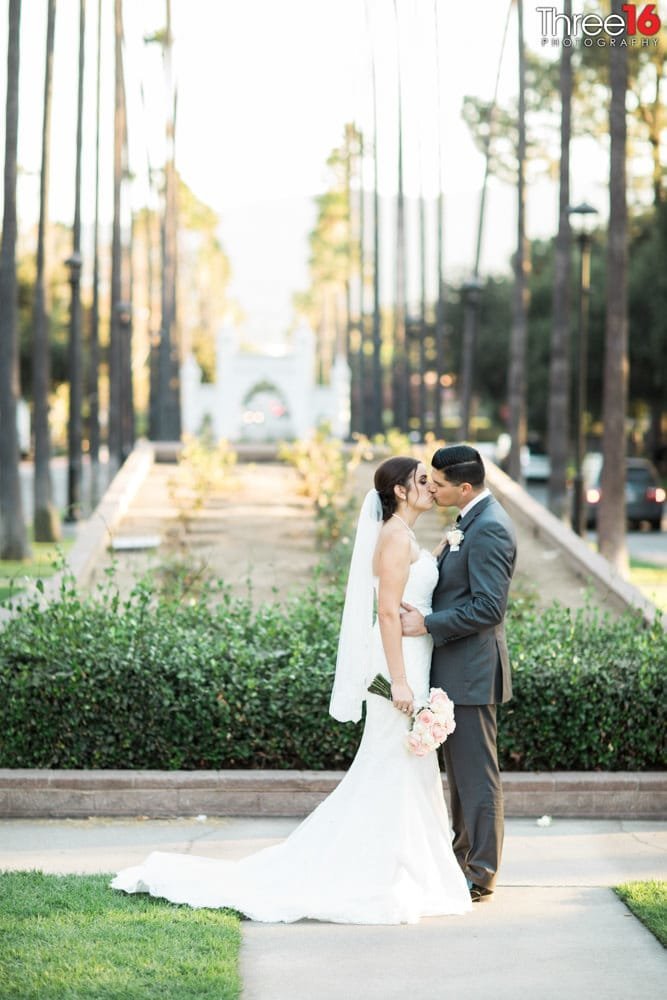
(439, 732)
(413, 741)
(426, 717)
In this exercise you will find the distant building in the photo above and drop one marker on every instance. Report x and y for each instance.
(265, 397)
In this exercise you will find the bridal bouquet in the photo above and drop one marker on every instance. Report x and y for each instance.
(431, 724)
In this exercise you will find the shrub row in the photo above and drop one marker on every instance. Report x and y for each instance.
(211, 683)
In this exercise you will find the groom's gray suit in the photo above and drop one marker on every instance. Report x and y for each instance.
(470, 662)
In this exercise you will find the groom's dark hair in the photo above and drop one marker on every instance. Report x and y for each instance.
(460, 464)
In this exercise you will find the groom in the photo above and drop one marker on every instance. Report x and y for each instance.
(470, 658)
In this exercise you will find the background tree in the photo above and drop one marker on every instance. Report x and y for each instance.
(13, 537)
(46, 522)
(611, 517)
(94, 360)
(377, 424)
(516, 385)
(74, 262)
(648, 323)
(558, 444)
(471, 289)
(168, 385)
(115, 332)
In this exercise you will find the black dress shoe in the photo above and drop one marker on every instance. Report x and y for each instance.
(478, 893)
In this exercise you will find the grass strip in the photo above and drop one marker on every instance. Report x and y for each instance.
(71, 936)
(648, 902)
(45, 560)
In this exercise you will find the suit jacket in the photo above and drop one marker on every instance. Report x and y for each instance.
(470, 659)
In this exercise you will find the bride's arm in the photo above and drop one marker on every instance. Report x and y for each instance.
(393, 566)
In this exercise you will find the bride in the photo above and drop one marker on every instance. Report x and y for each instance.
(378, 850)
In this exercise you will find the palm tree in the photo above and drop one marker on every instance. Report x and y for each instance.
(377, 424)
(93, 372)
(516, 395)
(422, 327)
(559, 365)
(400, 381)
(611, 518)
(168, 404)
(124, 307)
(46, 523)
(440, 253)
(115, 332)
(13, 538)
(472, 288)
(75, 346)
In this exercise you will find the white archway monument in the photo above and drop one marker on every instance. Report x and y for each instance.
(288, 402)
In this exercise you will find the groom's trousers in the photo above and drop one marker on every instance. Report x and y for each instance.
(476, 795)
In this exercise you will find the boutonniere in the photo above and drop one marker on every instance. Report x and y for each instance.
(454, 539)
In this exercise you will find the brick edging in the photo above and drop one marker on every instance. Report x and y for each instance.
(59, 793)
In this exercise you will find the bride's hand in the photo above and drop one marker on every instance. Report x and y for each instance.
(402, 696)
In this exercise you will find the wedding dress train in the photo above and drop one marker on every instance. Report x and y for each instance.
(376, 851)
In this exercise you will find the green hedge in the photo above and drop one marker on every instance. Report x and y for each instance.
(210, 683)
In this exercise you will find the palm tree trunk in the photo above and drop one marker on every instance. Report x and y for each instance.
(472, 288)
(440, 315)
(75, 357)
(169, 405)
(351, 351)
(46, 523)
(611, 517)
(559, 365)
(126, 391)
(364, 422)
(115, 333)
(517, 370)
(94, 368)
(377, 423)
(440, 252)
(422, 318)
(400, 382)
(13, 538)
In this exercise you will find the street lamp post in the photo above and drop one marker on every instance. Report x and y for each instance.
(74, 434)
(583, 217)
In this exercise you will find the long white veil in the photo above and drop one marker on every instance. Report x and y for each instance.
(354, 644)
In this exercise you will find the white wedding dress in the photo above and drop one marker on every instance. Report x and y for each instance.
(376, 851)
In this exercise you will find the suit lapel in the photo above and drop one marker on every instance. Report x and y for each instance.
(475, 512)
(465, 523)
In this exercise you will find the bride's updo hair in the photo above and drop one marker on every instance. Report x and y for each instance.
(393, 472)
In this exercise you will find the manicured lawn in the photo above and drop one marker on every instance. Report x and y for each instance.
(648, 901)
(651, 580)
(72, 938)
(42, 564)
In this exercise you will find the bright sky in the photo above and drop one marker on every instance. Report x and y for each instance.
(264, 89)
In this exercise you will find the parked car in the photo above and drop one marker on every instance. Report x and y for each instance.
(535, 464)
(644, 496)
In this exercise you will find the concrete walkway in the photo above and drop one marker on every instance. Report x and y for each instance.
(554, 928)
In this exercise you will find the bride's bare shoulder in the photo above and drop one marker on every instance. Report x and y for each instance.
(393, 547)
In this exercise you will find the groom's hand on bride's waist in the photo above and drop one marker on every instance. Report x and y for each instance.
(412, 620)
